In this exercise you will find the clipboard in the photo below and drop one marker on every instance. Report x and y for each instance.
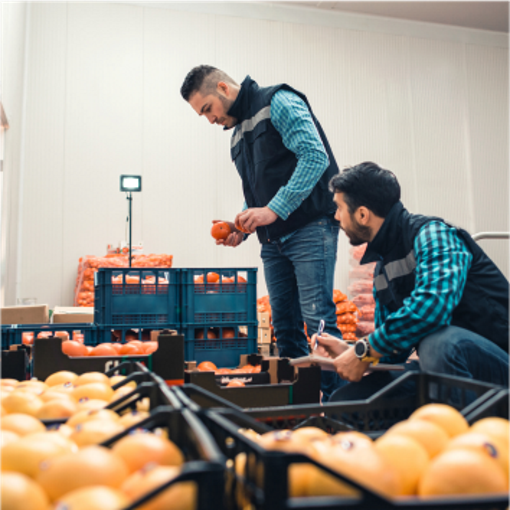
(327, 364)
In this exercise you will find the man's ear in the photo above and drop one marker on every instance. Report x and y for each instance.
(363, 215)
(223, 88)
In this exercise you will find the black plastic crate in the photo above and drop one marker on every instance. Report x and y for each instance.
(112, 333)
(205, 463)
(228, 300)
(223, 352)
(263, 482)
(137, 297)
(496, 406)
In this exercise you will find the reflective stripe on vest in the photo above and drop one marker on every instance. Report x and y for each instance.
(249, 125)
(396, 269)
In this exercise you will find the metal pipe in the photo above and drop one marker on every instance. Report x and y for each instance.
(491, 235)
(130, 198)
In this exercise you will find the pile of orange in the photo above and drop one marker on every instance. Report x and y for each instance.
(88, 265)
(213, 277)
(65, 468)
(209, 366)
(435, 453)
(131, 348)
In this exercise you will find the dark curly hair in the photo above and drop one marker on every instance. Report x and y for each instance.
(204, 78)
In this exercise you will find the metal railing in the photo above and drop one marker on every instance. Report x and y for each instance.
(491, 235)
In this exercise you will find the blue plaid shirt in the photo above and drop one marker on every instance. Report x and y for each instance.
(442, 265)
(291, 118)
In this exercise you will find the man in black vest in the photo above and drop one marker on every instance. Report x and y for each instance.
(435, 289)
(285, 163)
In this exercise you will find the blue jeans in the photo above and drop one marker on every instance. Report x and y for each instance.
(299, 276)
(450, 350)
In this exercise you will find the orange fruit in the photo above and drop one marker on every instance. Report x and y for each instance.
(207, 366)
(223, 371)
(141, 448)
(27, 338)
(9, 382)
(56, 409)
(137, 343)
(50, 395)
(447, 417)
(133, 417)
(91, 404)
(431, 436)
(480, 441)
(19, 492)
(96, 390)
(73, 348)
(22, 402)
(229, 333)
(7, 437)
(497, 428)
(105, 349)
(181, 496)
(220, 230)
(150, 347)
(235, 383)
(26, 456)
(213, 277)
(92, 465)
(117, 346)
(120, 392)
(61, 377)
(95, 497)
(129, 349)
(94, 414)
(91, 377)
(95, 431)
(462, 471)
(408, 457)
(22, 424)
(33, 385)
(309, 434)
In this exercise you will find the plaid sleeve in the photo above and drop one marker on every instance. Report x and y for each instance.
(442, 265)
(292, 119)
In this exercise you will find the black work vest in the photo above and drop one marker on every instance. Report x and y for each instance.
(265, 164)
(483, 307)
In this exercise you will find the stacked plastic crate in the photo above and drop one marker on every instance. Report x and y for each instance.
(219, 314)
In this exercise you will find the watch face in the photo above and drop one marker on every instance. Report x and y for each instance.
(359, 349)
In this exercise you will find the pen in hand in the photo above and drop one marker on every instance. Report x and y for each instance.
(319, 332)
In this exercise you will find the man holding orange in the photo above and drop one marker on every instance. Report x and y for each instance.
(285, 163)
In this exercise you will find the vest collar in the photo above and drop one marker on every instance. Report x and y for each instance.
(240, 108)
(387, 237)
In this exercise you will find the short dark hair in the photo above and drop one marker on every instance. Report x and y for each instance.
(368, 185)
(203, 76)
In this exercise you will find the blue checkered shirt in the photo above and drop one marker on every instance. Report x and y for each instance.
(291, 118)
(442, 265)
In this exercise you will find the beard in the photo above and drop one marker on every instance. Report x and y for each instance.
(227, 103)
(359, 234)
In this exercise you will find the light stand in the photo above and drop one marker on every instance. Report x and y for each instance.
(130, 183)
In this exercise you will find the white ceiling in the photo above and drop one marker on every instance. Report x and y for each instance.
(481, 15)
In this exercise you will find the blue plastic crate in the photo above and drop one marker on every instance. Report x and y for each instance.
(223, 352)
(13, 334)
(153, 300)
(104, 332)
(219, 302)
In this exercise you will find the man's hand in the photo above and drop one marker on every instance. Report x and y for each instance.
(328, 345)
(235, 238)
(349, 367)
(255, 217)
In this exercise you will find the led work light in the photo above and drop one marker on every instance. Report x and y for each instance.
(130, 183)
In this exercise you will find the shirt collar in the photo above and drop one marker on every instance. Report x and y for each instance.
(387, 236)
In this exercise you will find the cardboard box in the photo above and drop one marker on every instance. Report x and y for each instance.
(264, 336)
(264, 319)
(72, 314)
(32, 314)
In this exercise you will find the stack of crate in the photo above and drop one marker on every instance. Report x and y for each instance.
(265, 333)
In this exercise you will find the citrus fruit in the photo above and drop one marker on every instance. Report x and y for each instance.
(7, 436)
(129, 349)
(22, 424)
(92, 465)
(181, 496)
(213, 277)
(96, 497)
(105, 349)
(50, 395)
(22, 402)
(73, 348)
(91, 404)
(95, 390)
(447, 417)
(431, 436)
(133, 417)
(61, 377)
(19, 492)
(92, 414)
(310, 434)
(150, 347)
(462, 471)
(498, 428)
(95, 431)
(408, 457)
(141, 448)
(91, 377)
(220, 230)
(56, 409)
(207, 366)
(235, 383)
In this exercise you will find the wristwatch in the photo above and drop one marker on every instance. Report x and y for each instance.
(362, 351)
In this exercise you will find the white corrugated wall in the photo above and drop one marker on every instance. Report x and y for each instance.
(102, 99)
